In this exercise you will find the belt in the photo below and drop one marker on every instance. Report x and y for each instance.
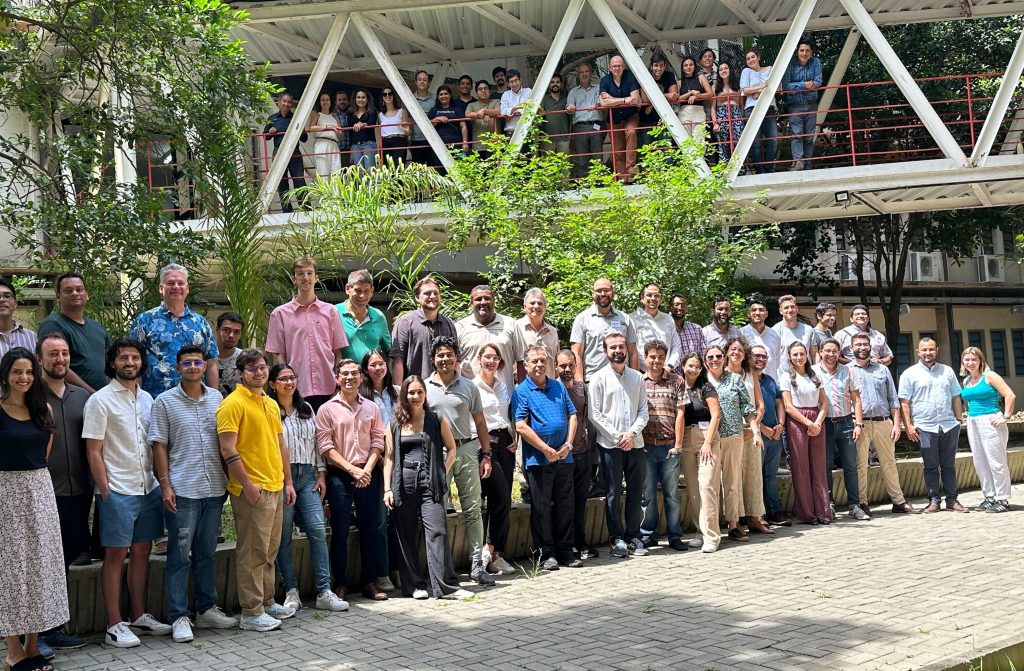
(414, 465)
(657, 444)
(585, 123)
(463, 441)
(876, 419)
(838, 420)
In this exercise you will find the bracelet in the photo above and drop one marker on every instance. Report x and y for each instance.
(232, 459)
(163, 478)
(387, 491)
(487, 455)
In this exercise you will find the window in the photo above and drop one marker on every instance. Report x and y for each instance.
(925, 334)
(976, 339)
(903, 353)
(998, 339)
(1017, 338)
(957, 338)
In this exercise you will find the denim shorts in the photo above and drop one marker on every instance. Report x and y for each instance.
(129, 518)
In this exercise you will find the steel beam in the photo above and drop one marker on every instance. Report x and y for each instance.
(836, 78)
(1000, 104)
(283, 154)
(745, 14)
(513, 24)
(396, 29)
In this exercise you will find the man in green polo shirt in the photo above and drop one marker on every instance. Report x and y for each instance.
(87, 339)
(366, 327)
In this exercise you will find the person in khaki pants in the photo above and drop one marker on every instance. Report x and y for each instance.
(880, 409)
(260, 483)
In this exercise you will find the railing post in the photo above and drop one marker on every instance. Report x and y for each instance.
(849, 117)
(970, 109)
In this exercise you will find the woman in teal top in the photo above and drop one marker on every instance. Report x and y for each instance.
(986, 427)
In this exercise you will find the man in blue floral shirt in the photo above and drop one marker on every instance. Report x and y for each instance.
(167, 328)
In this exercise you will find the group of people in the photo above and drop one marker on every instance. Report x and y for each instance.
(708, 96)
(161, 427)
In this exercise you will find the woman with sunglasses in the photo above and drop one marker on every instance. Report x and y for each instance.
(310, 481)
(737, 413)
(415, 480)
(395, 126)
(806, 405)
(738, 363)
(702, 452)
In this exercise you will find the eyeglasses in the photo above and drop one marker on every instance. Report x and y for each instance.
(760, 356)
(192, 363)
(286, 379)
(257, 369)
(386, 94)
(713, 357)
(6, 297)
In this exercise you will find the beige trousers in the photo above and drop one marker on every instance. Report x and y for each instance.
(709, 477)
(258, 528)
(753, 485)
(879, 434)
(688, 461)
(732, 476)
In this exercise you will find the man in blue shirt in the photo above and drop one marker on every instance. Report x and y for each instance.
(771, 432)
(546, 419)
(801, 84)
(621, 92)
(276, 128)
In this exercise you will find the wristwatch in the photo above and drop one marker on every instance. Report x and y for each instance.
(860, 425)
(487, 455)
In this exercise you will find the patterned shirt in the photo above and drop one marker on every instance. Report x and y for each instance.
(163, 334)
(691, 340)
(839, 387)
(793, 81)
(300, 436)
(712, 336)
(18, 336)
(188, 427)
(735, 403)
(877, 390)
(228, 371)
(665, 398)
(879, 347)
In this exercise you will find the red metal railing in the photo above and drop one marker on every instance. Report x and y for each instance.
(867, 123)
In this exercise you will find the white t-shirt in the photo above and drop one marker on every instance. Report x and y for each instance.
(804, 393)
(802, 332)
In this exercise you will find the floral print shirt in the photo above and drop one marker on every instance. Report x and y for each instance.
(735, 402)
(162, 334)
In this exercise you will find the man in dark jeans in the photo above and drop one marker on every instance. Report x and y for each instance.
(276, 129)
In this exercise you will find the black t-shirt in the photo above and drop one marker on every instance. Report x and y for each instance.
(651, 118)
(697, 409)
(451, 132)
(367, 134)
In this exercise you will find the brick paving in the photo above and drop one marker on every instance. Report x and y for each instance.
(898, 592)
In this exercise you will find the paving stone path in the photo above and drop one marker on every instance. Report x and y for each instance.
(898, 592)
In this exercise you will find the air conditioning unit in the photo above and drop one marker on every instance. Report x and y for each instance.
(848, 269)
(926, 266)
(990, 268)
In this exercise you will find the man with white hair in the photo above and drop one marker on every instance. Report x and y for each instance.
(535, 329)
(167, 328)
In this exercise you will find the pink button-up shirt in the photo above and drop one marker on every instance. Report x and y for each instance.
(355, 431)
(306, 337)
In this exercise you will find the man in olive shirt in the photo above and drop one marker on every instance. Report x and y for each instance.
(556, 120)
(86, 338)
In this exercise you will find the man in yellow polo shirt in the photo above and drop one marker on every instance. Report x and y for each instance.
(253, 448)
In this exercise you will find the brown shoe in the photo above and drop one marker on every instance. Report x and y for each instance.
(933, 507)
(756, 526)
(904, 508)
(957, 508)
(371, 591)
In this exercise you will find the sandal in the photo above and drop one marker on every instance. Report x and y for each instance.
(27, 664)
(41, 663)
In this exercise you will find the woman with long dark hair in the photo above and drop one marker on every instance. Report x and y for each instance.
(445, 117)
(702, 452)
(363, 117)
(324, 126)
(378, 385)
(415, 481)
(33, 593)
(310, 481)
(753, 84)
(694, 92)
(806, 405)
(728, 122)
(394, 126)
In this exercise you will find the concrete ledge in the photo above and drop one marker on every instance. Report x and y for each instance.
(87, 606)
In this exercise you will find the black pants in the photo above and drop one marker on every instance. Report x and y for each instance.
(417, 504)
(396, 147)
(633, 464)
(296, 170)
(496, 490)
(581, 478)
(422, 154)
(551, 510)
(73, 512)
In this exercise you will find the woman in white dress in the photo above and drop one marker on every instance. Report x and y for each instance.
(325, 131)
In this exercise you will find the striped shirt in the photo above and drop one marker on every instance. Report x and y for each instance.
(712, 336)
(691, 340)
(300, 436)
(839, 387)
(18, 336)
(188, 427)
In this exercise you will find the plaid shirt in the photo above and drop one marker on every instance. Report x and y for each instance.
(691, 340)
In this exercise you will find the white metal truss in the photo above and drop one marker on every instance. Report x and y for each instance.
(838, 73)
(513, 24)
(1000, 104)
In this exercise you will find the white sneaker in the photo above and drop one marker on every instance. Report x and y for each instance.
(501, 567)
(181, 630)
(147, 625)
(709, 547)
(279, 612)
(696, 542)
(459, 595)
(384, 584)
(120, 636)
(328, 600)
(261, 622)
(420, 594)
(293, 600)
(214, 618)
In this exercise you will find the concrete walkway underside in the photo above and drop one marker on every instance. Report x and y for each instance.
(897, 592)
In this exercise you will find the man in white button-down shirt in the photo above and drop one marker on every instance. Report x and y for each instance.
(653, 324)
(512, 100)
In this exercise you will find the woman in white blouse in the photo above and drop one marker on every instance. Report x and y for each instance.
(497, 489)
(806, 408)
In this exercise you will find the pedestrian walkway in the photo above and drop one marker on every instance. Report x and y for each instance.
(898, 592)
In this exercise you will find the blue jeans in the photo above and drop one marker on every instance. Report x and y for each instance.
(765, 145)
(308, 513)
(938, 452)
(193, 528)
(804, 117)
(663, 468)
(342, 493)
(770, 456)
(364, 154)
(839, 439)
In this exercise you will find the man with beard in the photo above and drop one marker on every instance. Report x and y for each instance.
(115, 424)
(618, 410)
(880, 406)
(584, 456)
(500, 80)
(537, 331)
(771, 433)
(342, 116)
(653, 324)
(757, 332)
(930, 399)
(720, 331)
(484, 326)
(86, 338)
(556, 120)
(589, 327)
(689, 334)
(68, 465)
(229, 333)
(413, 332)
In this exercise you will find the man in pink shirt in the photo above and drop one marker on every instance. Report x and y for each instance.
(350, 437)
(306, 333)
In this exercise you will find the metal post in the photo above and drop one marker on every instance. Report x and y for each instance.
(898, 71)
(836, 78)
(643, 75)
(299, 116)
(1001, 102)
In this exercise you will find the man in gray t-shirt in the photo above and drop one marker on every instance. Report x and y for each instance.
(589, 327)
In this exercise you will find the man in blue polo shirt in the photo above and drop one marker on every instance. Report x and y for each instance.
(366, 327)
(621, 91)
(546, 419)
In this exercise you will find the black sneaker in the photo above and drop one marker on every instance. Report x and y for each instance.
(866, 508)
(678, 545)
(998, 507)
(649, 541)
(83, 559)
(619, 549)
(590, 553)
